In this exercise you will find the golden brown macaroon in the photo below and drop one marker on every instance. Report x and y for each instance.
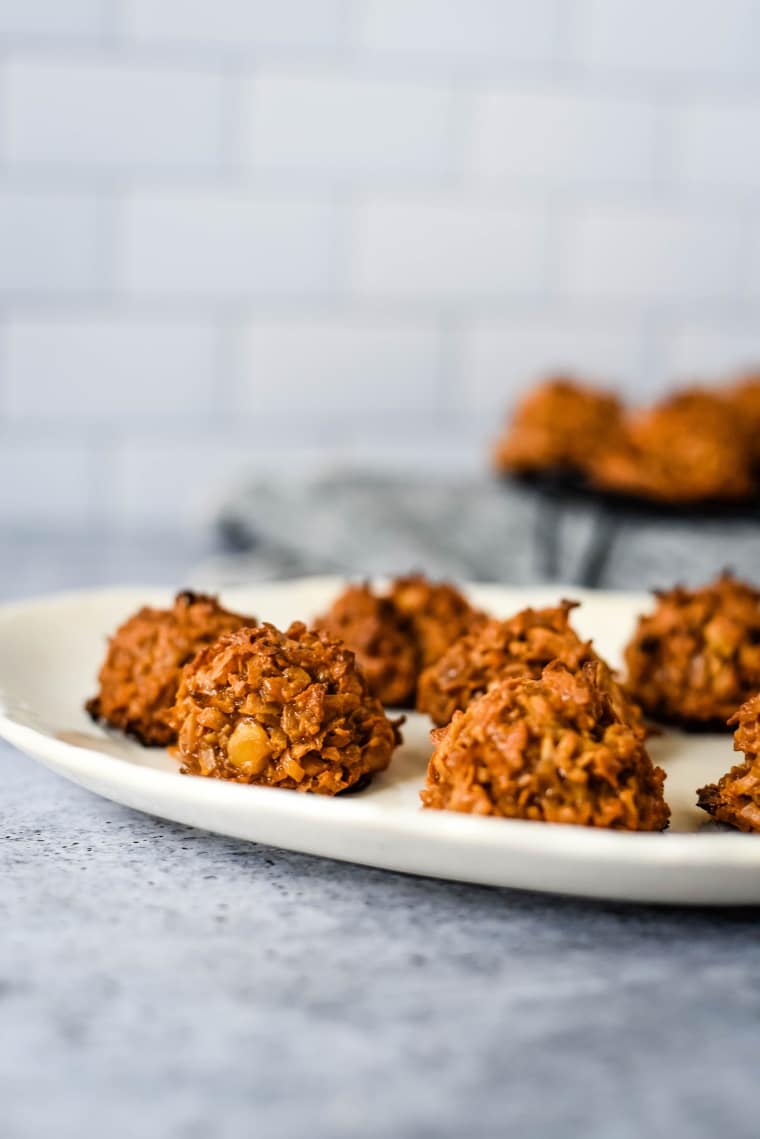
(281, 710)
(437, 612)
(139, 677)
(551, 750)
(381, 640)
(521, 646)
(557, 425)
(744, 397)
(690, 448)
(395, 635)
(735, 798)
(696, 657)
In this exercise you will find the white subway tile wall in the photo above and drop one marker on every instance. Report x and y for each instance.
(114, 115)
(432, 248)
(696, 349)
(52, 245)
(460, 32)
(562, 138)
(223, 246)
(340, 369)
(52, 20)
(240, 25)
(499, 351)
(66, 354)
(242, 236)
(348, 126)
(649, 253)
(672, 37)
(711, 144)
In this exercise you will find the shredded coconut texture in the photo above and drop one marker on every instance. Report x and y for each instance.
(139, 677)
(735, 798)
(550, 750)
(396, 635)
(282, 710)
(696, 658)
(519, 647)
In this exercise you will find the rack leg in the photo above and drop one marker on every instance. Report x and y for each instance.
(597, 556)
(548, 538)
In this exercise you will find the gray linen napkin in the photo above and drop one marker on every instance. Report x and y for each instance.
(355, 523)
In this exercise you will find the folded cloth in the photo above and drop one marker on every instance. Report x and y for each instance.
(477, 529)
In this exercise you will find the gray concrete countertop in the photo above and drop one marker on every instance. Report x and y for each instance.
(159, 981)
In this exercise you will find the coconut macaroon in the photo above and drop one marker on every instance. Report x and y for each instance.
(521, 646)
(282, 710)
(735, 798)
(436, 612)
(744, 398)
(140, 674)
(690, 448)
(556, 426)
(380, 638)
(551, 750)
(396, 634)
(696, 658)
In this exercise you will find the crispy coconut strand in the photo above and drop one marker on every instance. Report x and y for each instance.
(696, 658)
(139, 677)
(520, 646)
(551, 750)
(735, 798)
(283, 710)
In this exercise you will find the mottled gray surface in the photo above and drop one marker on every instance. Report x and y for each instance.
(160, 981)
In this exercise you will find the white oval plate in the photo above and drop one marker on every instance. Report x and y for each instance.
(50, 651)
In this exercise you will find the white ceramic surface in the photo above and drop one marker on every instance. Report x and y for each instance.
(49, 654)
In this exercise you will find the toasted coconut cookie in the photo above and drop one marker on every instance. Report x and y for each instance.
(518, 647)
(381, 639)
(691, 448)
(139, 677)
(557, 425)
(283, 710)
(437, 613)
(522, 645)
(551, 750)
(744, 397)
(735, 798)
(395, 635)
(696, 658)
